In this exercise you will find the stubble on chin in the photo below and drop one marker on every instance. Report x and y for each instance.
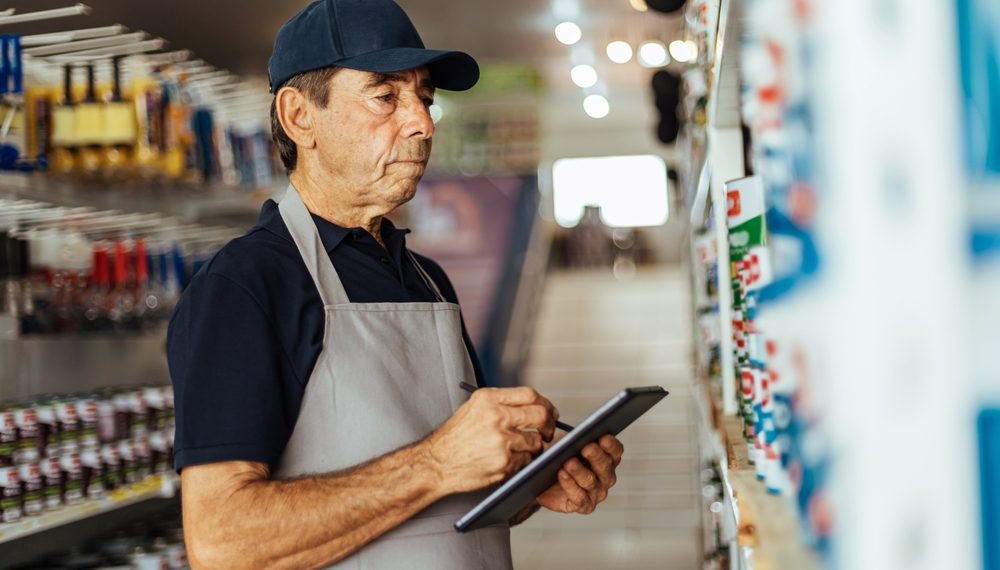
(407, 192)
(400, 192)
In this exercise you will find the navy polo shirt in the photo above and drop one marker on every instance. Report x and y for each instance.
(245, 335)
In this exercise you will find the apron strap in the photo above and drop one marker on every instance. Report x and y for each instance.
(306, 236)
(426, 277)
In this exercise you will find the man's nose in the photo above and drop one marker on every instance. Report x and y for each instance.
(417, 119)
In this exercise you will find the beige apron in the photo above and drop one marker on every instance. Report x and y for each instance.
(387, 376)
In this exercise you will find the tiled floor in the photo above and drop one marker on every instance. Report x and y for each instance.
(595, 335)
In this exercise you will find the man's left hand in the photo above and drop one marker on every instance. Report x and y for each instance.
(582, 486)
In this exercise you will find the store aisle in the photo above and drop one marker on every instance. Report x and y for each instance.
(595, 335)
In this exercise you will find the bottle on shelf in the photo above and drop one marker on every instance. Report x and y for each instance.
(89, 129)
(64, 132)
(77, 270)
(119, 124)
(68, 449)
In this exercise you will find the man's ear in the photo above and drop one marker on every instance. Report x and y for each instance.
(295, 115)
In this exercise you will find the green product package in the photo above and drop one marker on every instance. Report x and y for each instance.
(745, 214)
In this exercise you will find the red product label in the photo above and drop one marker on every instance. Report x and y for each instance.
(733, 206)
(87, 410)
(772, 453)
(141, 265)
(26, 418)
(747, 384)
(121, 264)
(9, 477)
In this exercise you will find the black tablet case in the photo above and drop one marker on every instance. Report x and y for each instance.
(512, 496)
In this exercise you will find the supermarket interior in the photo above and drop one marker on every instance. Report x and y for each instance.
(785, 213)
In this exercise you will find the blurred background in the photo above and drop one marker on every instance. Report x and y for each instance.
(786, 212)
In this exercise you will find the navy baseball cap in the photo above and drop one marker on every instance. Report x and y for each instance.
(367, 35)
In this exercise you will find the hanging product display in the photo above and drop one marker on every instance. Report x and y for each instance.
(76, 270)
(99, 105)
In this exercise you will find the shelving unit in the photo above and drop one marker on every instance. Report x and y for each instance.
(870, 224)
(169, 136)
(31, 366)
(761, 529)
(154, 487)
(217, 204)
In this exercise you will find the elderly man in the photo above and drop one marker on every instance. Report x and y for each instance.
(317, 361)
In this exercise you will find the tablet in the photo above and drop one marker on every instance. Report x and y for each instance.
(512, 496)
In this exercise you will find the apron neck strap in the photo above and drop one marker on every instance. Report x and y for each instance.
(426, 277)
(306, 236)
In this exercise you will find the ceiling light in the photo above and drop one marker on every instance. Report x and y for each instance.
(683, 51)
(619, 51)
(679, 50)
(596, 106)
(568, 33)
(639, 5)
(584, 76)
(653, 54)
(436, 112)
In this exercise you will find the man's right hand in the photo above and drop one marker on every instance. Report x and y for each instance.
(491, 437)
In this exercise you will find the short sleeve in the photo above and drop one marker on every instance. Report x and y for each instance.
(228, 371)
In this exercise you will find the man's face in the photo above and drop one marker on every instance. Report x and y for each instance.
(374, 136)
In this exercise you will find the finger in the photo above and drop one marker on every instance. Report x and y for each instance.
(577, 496)
(532, 417)
(601, 463)
(613, 446)
(584, 477)
(520, 396)
(518, 461)
(526, 441)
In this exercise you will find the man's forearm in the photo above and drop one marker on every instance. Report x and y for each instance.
(316, 520)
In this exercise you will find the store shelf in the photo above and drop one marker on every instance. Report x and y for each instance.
(767, 534)
(208, 204)
(724, 95)
(712, 446)
(154, 487)
(30, 366)
(766, 527)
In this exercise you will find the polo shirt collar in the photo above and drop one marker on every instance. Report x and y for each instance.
(331, 234)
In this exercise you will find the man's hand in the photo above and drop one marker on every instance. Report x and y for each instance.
(486, 441)
(579, 488)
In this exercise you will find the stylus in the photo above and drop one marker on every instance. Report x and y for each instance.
(470, 388)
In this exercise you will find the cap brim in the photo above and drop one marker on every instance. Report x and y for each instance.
(450, 70)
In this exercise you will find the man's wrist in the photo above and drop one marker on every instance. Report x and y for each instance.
(431, 467)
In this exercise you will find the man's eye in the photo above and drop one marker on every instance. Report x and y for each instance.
(387, 98)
